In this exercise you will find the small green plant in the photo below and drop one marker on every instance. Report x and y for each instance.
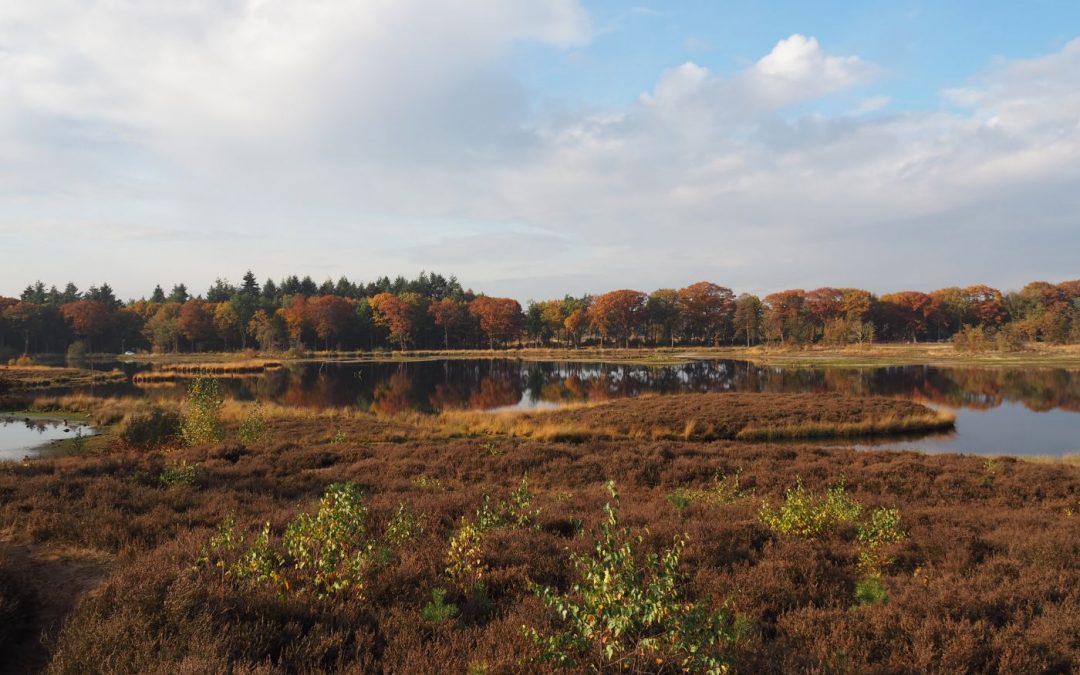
(630, 615)
(78, 442)
(438, 610)
(253, 428)
(808, 515)
(519, 509)
(427, 483)
(870, 590)
(989, 471)
(177, 473)
(465, 559)
(339, 436)
(202, 421)
(405, 525)
(881, 529)
(679, 498)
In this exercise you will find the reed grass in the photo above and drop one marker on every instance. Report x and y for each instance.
(882, 426)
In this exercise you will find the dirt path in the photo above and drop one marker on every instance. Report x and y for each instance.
(54, 579)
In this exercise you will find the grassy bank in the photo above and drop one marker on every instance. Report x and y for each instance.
(942, 354)
(981, 573)
(24, 378)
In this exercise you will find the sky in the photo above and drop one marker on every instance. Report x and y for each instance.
(540, 147)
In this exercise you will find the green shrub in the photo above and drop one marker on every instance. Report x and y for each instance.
(202, 421)
(177, 473)
(465, 559)
(152, 430)
(519, 508)
(882, 528)
(326, 553)
(76, 351)
(870, 590)
(330, 544)
(405, 525)
(808, 515)
(438, 610)
(253, 428)
(630, 615)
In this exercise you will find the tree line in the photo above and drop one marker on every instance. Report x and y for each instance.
(436, 312)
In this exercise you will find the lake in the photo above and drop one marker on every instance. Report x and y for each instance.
(1020, 411)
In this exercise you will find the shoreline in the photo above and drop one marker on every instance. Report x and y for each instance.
(877, 355)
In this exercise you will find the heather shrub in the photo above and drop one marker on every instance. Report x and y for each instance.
(202, 418)
(629, 613)
(151, 430)
(13, 607)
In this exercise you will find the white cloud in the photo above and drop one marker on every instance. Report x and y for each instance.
(149, 142)
(798, 69)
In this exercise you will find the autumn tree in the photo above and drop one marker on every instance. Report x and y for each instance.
(500, 318)
(785, 316)
(575, 323)
(297, 317)
(451, 315)
(662, 312)
(399, 314)
(331, 317)
(267, 329)
(748, 314)
(163, 328)
(227, 323)
(196, 323)
(984, 306)
(89, 319)
(908, 313)
(24, 318)
(707, 310)
(618, 314)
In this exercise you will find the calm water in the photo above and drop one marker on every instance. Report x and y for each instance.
(1033, 411)
(21, 436)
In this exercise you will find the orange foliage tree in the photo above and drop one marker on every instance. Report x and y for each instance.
(297, 317)
(398, 313)
(449, 314)
(88, 318)
(331, 317)
(500, 318)
(618, 314)
(707, 310)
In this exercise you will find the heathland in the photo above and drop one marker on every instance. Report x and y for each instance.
(224, 536)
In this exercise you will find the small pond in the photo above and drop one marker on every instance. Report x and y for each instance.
(22, 436)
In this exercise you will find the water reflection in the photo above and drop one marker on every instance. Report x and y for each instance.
(432, 386)
(1000, 410)
(21, 435)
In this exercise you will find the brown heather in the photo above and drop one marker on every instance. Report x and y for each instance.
(705, 417)
(988, 579)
